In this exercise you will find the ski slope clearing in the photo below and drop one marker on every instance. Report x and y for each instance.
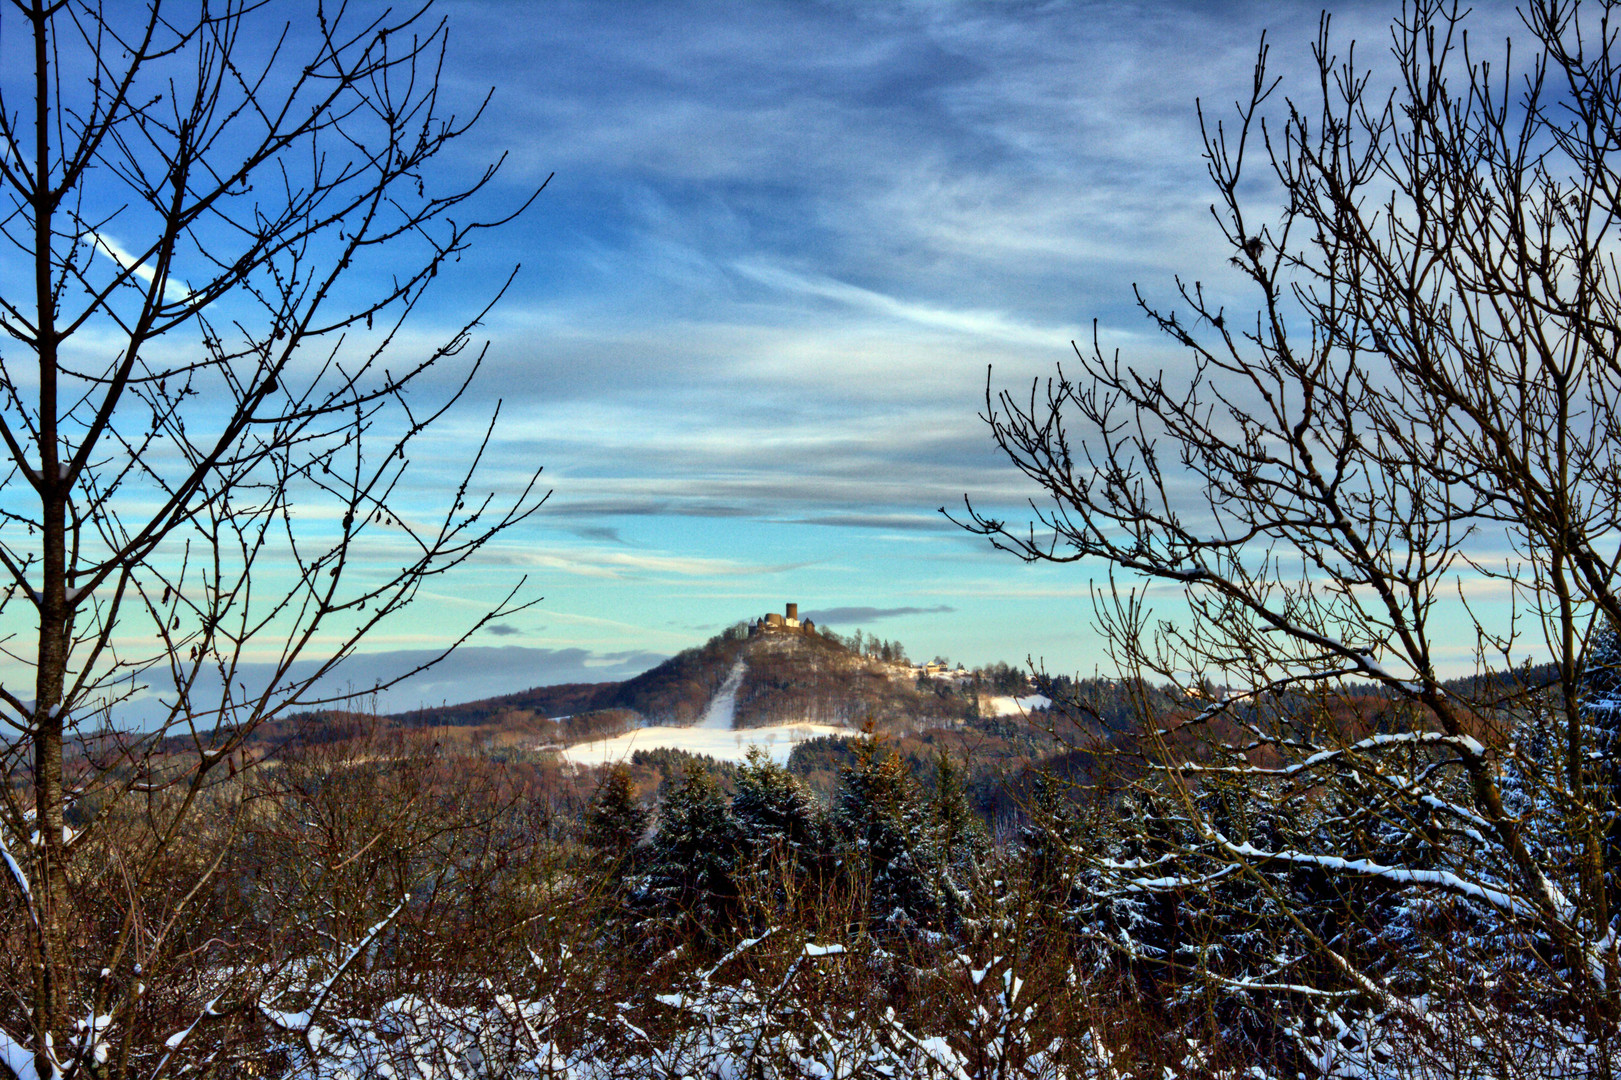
(722, 711)
(712, 734)
(725, 745)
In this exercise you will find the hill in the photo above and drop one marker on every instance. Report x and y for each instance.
(788, 677)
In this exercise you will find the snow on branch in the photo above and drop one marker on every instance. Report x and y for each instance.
(745, 945)
(303, 1023)
(1497, 898)
(174, 1042)
(1166, 883)
(1464, 744)
(20, 879)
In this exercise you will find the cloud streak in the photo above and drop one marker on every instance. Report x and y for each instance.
(846, 616)
(172, 290)
(978, 324)
(471, 673)
(785, 243)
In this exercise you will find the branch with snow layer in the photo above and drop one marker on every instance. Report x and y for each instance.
(744, 946)
(174, 1042)
(1169, 883)
(1466, 745)
(303, 1023)
(19, 879)
(934, 1049)
(1499, 899)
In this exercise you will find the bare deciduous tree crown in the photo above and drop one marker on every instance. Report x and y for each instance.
(1423, 407)
(207, 410)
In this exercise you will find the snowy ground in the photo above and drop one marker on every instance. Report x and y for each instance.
(712, 735)
(779, 742)
(1012, 706)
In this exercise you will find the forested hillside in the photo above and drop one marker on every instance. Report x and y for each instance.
(788, 678)
(880, 906)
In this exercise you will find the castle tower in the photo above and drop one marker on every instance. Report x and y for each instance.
(793, 612)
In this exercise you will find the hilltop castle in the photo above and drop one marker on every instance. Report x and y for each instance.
(773, 623)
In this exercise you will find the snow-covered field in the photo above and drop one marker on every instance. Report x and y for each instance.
(712, 734)
(779, 742)
(1013, 706)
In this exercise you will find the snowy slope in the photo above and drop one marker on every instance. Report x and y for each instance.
(1013, 706)
(724, 745)
(712, 735)
(722, 710)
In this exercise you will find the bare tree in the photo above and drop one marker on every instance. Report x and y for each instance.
(1406, 455)
(206, 399)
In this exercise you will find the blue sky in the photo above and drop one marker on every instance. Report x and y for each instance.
(783, 244)
(758, 300)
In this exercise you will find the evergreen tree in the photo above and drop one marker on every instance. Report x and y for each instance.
(956, 838)
(773, 809)
(782, 833)
(616, 819)
(1048, 841)
(689, 878)
(877, 815)
(960, 832)
(1601, 716)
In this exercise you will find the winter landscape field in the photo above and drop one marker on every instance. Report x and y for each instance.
(810, 540)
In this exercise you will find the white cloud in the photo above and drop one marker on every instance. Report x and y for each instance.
(173, 289)
(990, 324)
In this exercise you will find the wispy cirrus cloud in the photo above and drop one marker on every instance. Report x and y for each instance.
(173, 289)
(995, 325)
(785, 242)
(622, 565)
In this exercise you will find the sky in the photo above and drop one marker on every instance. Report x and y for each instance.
(783, 244)
(784, 248)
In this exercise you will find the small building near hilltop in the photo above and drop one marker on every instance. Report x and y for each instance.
(772, 623)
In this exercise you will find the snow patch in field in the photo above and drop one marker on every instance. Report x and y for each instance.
(1013, 706)
(725, 745)
(713, 734)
